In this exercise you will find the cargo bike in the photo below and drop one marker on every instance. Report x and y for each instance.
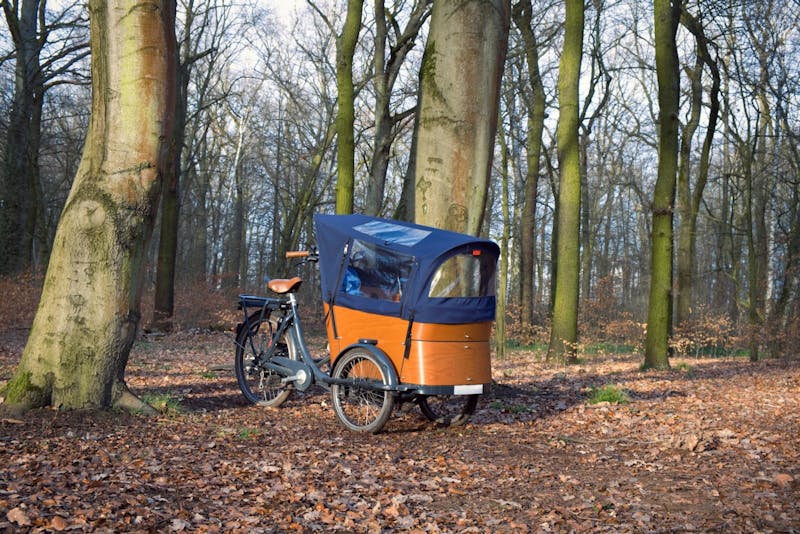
(408, 314)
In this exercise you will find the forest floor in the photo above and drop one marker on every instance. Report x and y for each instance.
(711, 445)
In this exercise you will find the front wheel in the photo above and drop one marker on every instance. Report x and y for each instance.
(259, 384)
(359, 404)
(448, 410)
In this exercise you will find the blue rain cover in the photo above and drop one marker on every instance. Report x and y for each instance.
(392, 268)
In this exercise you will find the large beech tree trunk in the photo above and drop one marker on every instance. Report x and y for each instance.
(460, 86)
(87, 318)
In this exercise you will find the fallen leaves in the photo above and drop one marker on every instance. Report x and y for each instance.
(58, 524)
(784, 480)
(707, 452)
(19, 517)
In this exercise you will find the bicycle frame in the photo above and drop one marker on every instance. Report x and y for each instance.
(306, 371)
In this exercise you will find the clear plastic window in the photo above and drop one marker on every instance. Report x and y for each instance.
(393, 233)
(470, 274)
(376, 272)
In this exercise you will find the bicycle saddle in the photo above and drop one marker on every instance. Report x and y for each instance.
(285, 285)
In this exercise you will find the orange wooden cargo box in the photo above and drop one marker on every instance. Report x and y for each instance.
(424, 297)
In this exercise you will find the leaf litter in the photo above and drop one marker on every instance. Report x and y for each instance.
(708, 450)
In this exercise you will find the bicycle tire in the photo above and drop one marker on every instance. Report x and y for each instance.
(358, 408)
(448, 410)
(258, 384)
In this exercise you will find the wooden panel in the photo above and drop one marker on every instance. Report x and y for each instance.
(440, 355)
(451, 332)
(442, 363)
(352, 325)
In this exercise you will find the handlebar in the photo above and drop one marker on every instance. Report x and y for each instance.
(307, 255)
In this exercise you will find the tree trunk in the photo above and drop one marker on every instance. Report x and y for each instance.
(406, 208)
(659, 310)
(386, 72)
(783, 311)
(460, 86)
(19, 204)
(564, 333)
(198, 261)
(236, 256)
(88, 314)
(345, 146)
(587, 230)
(690, 201)
(164, 304)
(502, 289)
(383, 120)
(535, 128)
(684, 196)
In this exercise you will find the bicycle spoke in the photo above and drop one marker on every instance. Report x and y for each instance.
(259, 384)
(358, 405)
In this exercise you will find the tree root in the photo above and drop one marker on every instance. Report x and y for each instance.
(20, 395)
(15, 410)
(129, 402)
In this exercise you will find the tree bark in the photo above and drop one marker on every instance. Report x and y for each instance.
(459, 92)
(345, 119)
(502, 291)
(564, 333)
(387, 69)
(686, 219)
(21, 161)
(535, 128)
(164, 303)
(89, 311)
(236, 258)
(659, 312)
(690, 200)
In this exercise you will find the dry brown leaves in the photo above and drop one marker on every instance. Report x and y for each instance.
(712, 446)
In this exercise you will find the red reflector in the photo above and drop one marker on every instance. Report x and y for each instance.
(476, 252)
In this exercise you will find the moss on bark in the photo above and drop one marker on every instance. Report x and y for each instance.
(20, 393)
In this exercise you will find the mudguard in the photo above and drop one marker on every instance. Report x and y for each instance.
(382, 358)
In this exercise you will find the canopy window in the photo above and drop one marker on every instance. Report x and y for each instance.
(376, 272)
(468, 274)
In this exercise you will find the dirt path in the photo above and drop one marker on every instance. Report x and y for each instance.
(711, 446)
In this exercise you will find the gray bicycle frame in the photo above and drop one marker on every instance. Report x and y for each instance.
(305, 372)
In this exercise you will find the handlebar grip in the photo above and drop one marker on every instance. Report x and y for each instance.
(297, 254)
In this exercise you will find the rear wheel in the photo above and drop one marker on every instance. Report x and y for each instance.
(260, 385)
(448, 410)
(359, 405)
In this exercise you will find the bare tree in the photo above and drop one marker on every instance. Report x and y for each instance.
(387, 68)
(689, 200)
(564, 333)
(535, 102)
(459, 84)
(39, 65)
(204, 29)
(89, 311)
(659, 320)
